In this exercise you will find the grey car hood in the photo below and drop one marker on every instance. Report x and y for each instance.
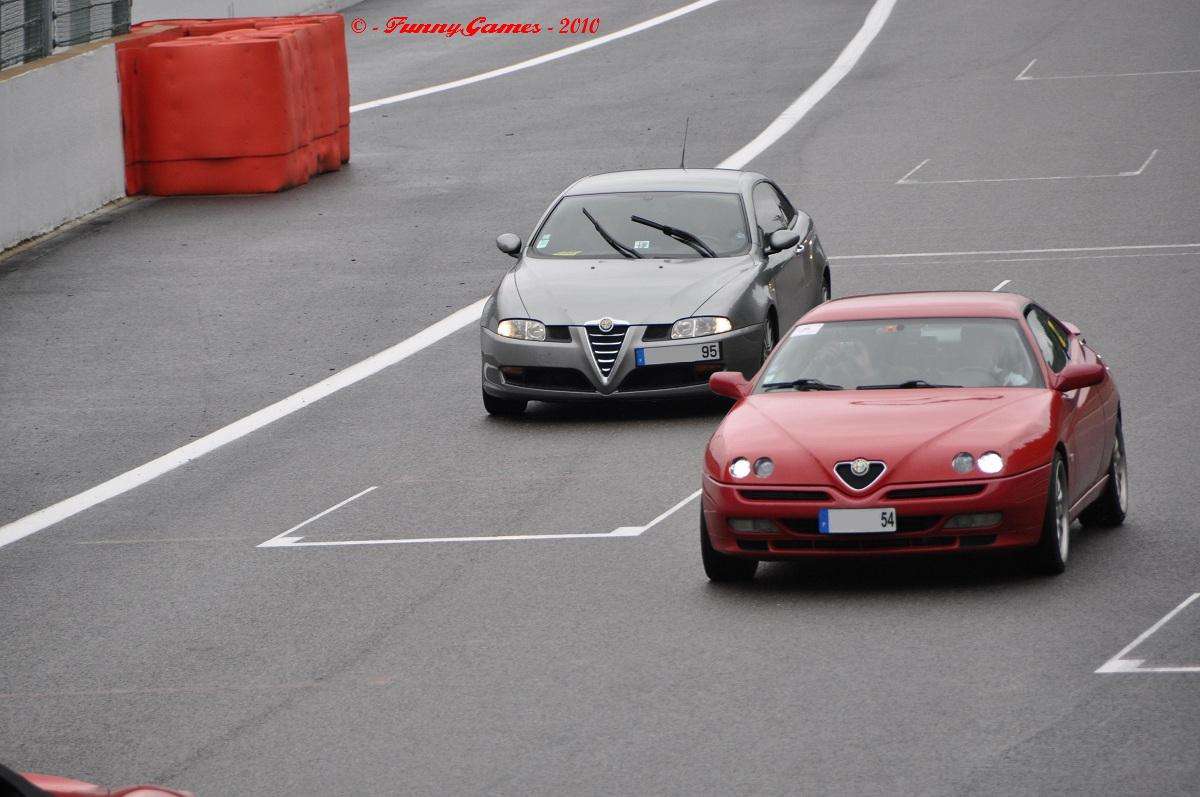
(574, 292)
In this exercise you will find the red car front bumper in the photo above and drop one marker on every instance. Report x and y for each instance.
(921, 516)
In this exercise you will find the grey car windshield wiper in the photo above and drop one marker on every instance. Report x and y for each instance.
(683, 236)
(608, 239)
(912, 383)
(801, 384)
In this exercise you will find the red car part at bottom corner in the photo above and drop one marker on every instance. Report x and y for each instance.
(32, 784)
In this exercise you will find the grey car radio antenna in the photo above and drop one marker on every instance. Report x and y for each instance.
(683, 155)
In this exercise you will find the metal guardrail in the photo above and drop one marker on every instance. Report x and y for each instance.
(32, 29)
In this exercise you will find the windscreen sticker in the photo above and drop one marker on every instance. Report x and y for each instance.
(544, 241)
(568, 253)
(806, 329)
(641, 244)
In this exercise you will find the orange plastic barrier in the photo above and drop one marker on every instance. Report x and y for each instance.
(244, 105)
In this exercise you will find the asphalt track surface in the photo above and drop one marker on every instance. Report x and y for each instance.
(149, 638)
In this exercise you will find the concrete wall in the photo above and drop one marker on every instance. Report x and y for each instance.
(61, 150)
(204, 9)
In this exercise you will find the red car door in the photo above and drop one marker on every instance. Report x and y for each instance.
(1092, 430)
(1085, 426)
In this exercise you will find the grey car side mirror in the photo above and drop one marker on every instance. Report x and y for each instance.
(509, 243)
(780, 240)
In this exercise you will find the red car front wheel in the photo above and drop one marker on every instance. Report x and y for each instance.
(1050, 555)
(722, 567)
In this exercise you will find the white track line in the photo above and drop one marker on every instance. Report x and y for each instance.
(907, 179)
(1015, 251)
(541, 59)
(1044, 259)
(117, 485)
(287, 535)
(1024, 76)
(287, 540)
(912, 171)
(817, 91)
(39, 520)
(1119, 663)
(1001, 285)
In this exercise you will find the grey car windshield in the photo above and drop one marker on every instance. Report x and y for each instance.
(902, 353)
(717, 219)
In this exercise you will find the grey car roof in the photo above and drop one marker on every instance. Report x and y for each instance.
(727, 180)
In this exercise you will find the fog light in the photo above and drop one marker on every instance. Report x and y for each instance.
(763, 467)
(977, 520)
(739, 468)
(962, 463)
(749, 524)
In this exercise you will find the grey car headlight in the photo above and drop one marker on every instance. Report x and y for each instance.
(521, 329)
(700, 326)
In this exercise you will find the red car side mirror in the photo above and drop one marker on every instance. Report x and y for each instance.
(1079, 375)
(730, 384)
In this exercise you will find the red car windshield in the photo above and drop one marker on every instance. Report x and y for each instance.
(902, 353)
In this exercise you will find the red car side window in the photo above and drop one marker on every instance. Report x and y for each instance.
(1051, 338)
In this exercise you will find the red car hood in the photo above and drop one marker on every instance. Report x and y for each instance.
(915, 432)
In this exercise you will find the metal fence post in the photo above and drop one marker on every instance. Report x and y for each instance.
(122, 13)
(79, 21)
(39, 39)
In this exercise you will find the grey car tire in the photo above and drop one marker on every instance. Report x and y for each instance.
(499, 406)
(770, 338)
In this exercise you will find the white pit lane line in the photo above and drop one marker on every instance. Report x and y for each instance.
(984, 252)
(1024, 74)
(908, 178)
(1120, 664)
(288, 540)
(123, 483)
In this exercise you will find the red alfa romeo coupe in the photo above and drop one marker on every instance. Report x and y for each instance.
(918, 422)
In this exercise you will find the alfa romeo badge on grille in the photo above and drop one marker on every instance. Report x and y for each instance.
(859, 467)
(606, 324)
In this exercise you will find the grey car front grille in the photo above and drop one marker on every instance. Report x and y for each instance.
(605, 346)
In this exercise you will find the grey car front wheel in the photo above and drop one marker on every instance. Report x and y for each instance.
(768, 338)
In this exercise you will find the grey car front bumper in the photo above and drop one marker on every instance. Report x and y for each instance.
(568, 370)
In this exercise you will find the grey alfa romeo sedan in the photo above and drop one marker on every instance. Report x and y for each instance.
(640, 284)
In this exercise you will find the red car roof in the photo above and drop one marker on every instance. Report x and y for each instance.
(986, 304)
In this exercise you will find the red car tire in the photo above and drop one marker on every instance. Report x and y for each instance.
(723, 568)
(1109, 509)
(1050, 554)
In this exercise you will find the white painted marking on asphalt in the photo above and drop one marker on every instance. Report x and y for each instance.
(1119, 663)
(117, 485)
(1141, 168)
(287, 537)
(537, 61)
(1028, 66)
(125, 482)
(1045, 259)
(792, 115)
(287, 540)
(912, 171)
(1001, 285)
(1024, 75)
(1015, 251)
(907, 179)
